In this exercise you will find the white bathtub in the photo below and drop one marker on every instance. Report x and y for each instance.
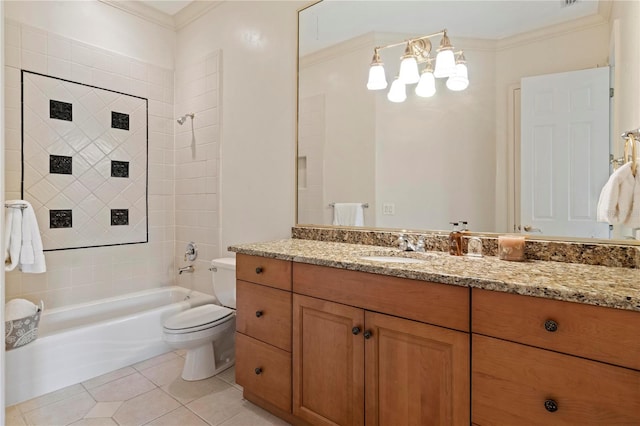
(78, 342)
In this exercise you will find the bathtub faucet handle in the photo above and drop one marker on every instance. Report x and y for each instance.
(191, 252)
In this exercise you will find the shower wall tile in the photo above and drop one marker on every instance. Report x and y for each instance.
(82, 275)
(197, 156)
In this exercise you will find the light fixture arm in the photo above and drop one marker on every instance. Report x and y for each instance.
(419, 46)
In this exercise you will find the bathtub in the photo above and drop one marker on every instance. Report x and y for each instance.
(78, 342)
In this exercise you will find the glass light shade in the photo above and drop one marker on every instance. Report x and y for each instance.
(445, 64)
(377, 79)
(427, 85)
(459, 81)
(398, 91)
(409, 70)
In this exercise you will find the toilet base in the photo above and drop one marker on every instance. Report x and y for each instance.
(201, 364)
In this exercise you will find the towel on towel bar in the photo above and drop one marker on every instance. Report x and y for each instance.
(633, 220)
(23, 246)
(348, 214)
(12, 236)
(616, 197)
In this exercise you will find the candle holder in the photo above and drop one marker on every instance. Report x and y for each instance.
(511, 247)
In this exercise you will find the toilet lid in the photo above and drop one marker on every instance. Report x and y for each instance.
(205, 315)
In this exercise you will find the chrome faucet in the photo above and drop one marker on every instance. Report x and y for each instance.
(188, 268)
(405, 244)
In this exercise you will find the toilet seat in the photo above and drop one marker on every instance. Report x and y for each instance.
(199, 318)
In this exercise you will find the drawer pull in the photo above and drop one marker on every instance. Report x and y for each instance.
(551, 406)
(259, 270)
(367, 334)
(258, 314)
(551, 326)
(258, 371)
(355, 331)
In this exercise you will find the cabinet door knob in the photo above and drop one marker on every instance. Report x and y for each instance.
(259, 270)
(258, 314)
(551, 326)
(355, 331)
(258, 370)
(551, 406)
(367, 334)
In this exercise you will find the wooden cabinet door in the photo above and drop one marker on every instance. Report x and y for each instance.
(328, 362)
(416, 374)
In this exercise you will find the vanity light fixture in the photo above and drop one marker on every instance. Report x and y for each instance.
(448, 64)
(398, 91)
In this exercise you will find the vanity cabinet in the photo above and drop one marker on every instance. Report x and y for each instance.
(540, 362)
(263, 331)
(372, 349)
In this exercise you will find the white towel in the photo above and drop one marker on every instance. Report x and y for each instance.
(616, 197)
(633, 220)
(19, 308)
(348, 214)
(12, 236)
(31, 255)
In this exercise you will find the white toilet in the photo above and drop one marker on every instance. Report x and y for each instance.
(207, 331)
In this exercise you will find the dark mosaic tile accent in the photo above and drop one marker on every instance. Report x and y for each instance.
(119, 120)
(60, 164)
(60, 110)
(119, 217)
(119, 169)
(60, 219)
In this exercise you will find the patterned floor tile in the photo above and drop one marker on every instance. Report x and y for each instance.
(180, 416)
(145, 408)
(62, 412)
(122, 389)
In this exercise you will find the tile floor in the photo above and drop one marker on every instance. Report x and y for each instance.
(148, 393)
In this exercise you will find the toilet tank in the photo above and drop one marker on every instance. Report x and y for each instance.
(224, 280)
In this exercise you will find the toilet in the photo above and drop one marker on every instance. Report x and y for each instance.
(207, 331)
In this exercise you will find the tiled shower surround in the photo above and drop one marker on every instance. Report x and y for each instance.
(81, 275)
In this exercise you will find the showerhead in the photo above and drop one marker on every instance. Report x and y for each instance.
(182, 119)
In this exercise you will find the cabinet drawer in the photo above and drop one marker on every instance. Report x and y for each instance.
(263, 270)
(264, 371)
(439, 304)
(594, 332)
(514, 384)
(264, 313)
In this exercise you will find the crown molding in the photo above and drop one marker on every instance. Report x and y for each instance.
(142, 11)
(552, 31)
(180, 20)
(194, 11)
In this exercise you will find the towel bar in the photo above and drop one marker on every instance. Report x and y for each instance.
(15, 206)
(364, 205)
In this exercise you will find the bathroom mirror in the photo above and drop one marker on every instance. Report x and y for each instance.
(455, 156)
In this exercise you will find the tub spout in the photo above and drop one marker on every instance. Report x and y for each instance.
(188, 268)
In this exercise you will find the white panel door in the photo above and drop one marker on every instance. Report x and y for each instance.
(564, 152)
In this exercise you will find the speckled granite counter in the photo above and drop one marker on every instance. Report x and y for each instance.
(595, 285)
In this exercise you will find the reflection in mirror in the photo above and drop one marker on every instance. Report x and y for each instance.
(457, 155)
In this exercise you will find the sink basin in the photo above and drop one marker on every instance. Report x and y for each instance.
(391, 259)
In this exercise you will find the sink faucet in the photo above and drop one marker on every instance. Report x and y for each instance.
(405, 244)
(188, 268)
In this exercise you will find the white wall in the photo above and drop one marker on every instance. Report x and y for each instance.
(85, 274)
(258, 44)
(349, 144)
(99, 24)
(435, 156)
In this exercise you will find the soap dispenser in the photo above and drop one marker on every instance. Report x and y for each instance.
(455, 241)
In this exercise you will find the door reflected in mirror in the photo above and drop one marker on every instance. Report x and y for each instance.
(425, 162)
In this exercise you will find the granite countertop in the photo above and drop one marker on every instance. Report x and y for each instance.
(596, 285)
